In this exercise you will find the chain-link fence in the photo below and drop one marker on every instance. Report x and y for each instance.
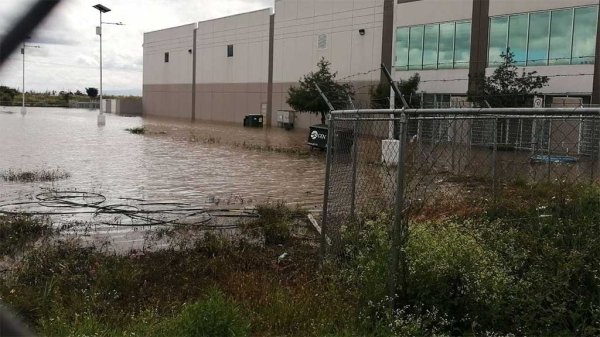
(409, 162)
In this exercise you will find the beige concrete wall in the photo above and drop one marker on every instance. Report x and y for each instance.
(178, 42)
(561, 79)
(502, 7)
(168, 100)
(129, 107)
(167, 86)
(228, 88)
(298, 25)
(249, 35)
(305, 120)
(229, 102)
(433, 11)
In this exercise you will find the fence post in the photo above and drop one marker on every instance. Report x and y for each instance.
(495, 158)
(454, 143)
(354, 165)
(398, 263)
(595, 150)
(549, 149)
(328, 163)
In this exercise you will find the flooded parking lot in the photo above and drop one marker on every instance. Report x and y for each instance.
(196, 164)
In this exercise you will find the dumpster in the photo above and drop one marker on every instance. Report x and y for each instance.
(317, 136)
(254, 121)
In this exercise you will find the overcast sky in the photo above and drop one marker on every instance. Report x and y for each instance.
(69, 55)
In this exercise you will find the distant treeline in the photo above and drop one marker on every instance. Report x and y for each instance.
(10, 96)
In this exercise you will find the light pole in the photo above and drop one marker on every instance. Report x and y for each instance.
(102, 9)
(23, 109)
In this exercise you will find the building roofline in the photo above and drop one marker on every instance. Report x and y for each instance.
(270, 9)
(195, 24)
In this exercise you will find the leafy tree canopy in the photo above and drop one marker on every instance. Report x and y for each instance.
(92, 92)
(505, 88)
(380, 94)
(9, 92)
(306, 98)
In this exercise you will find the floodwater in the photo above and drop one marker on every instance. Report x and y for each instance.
(203, 165)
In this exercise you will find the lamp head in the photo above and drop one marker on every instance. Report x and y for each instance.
(101, 8)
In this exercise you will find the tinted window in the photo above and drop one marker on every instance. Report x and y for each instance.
(561, 29)
(539, 39)
(462, 47)
(415, 55)
(430, 47)
(446, 49)
(498, 39)
(584, 35)
(402, 48)
(517, 37)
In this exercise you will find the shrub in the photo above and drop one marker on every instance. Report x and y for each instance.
(17, 232)
(215, 316)
(275, 220)
(451, 273)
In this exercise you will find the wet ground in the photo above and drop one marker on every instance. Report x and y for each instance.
(179, 165)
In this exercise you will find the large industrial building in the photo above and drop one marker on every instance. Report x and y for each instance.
(224, 69)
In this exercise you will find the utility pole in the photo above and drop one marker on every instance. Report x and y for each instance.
(23, 109)
(102, 9)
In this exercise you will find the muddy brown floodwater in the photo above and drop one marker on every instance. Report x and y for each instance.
(198, 164)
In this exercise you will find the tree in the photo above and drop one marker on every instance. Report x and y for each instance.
(66, 95)
(505, 88)
(408, 88)
(92, 92)
(7, 94)
(306, 98)
(78, 93)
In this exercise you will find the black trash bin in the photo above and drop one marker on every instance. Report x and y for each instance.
(253, 121)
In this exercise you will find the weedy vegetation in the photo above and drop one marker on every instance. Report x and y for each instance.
(136, 130)
(525, 265)
(41, 175)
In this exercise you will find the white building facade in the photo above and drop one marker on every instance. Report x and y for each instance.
(224, 69)
(555, 38)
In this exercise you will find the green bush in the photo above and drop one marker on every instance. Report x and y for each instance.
(450, 273)
(19, 232)
(452, 270)
(215, 316)
(275, 220)
(552, 253)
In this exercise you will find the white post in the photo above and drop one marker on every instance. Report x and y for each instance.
(101, 117)
(392, 106)
(23, 109)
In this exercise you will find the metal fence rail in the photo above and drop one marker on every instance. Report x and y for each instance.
(405, 161)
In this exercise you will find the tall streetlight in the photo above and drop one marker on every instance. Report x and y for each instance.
(23, 109)
(102, 9)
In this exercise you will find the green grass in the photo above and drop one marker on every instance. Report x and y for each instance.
(41, 175)
(136, 130)
(526, 265)
(19, 232)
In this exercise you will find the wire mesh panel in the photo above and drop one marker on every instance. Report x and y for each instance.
(440, 155)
